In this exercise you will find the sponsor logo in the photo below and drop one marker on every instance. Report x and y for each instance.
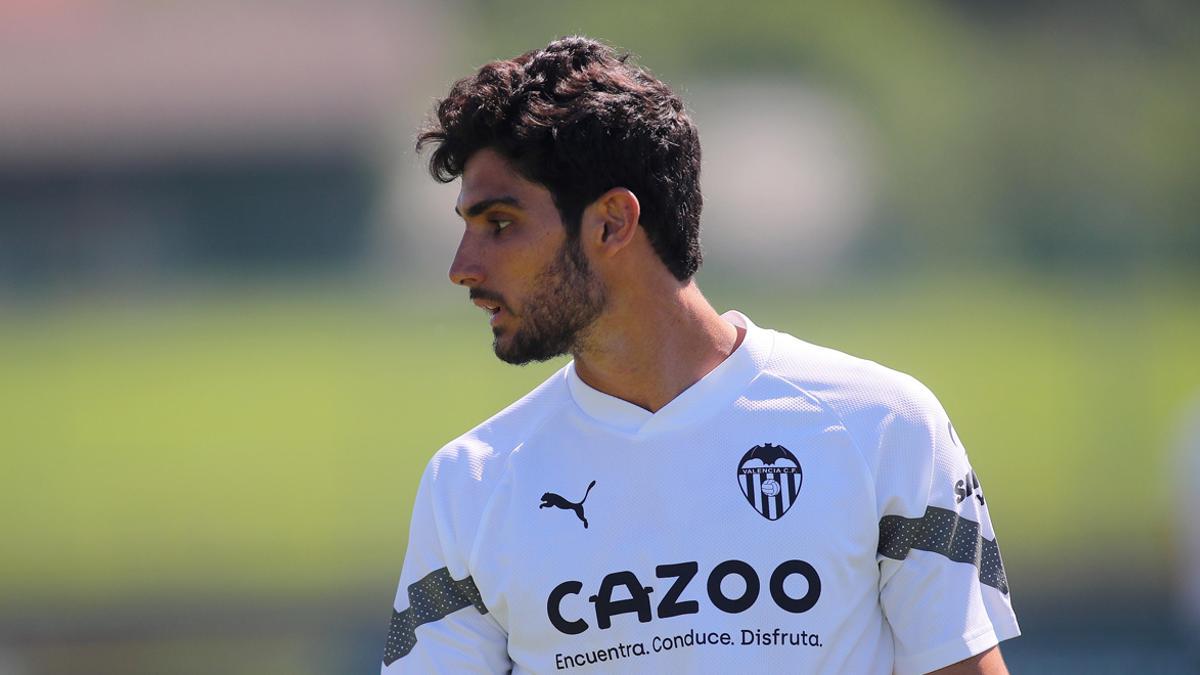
(968, 485)
(557, 501)
(623, 593)
(769, 476)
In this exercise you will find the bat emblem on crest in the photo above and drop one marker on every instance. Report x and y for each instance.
(769, 476)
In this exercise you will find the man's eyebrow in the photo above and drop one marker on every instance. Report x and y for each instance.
(485, 204)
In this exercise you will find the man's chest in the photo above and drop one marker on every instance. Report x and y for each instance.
(730, 532)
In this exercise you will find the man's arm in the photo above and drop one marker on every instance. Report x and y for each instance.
(985, 663)
(943, 588)
(439, 620)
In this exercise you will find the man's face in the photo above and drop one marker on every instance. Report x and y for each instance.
(516, 259)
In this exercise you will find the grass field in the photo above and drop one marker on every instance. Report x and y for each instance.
(270, 443)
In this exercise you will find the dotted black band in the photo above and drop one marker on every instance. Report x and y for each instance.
(944, 531)
(432, 598)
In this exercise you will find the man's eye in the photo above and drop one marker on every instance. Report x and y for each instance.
(501, 223)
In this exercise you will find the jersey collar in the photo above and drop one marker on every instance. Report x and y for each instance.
(718, 388)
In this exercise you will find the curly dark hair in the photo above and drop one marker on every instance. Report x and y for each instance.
(580, 119)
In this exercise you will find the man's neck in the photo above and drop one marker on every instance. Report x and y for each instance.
(651, 347)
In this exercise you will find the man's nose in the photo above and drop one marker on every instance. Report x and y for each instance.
(465, 269)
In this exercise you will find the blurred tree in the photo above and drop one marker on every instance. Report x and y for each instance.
(1062, 134)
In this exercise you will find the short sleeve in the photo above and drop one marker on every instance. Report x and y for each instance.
(439, 620)
(943, 588)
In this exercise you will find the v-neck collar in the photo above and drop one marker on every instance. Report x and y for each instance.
(720, 386)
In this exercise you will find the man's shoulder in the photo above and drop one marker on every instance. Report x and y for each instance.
(481, 454)
(864, 393)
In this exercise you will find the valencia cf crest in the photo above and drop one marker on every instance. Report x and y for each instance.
(770, 478)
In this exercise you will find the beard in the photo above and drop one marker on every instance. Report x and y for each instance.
(567, 299)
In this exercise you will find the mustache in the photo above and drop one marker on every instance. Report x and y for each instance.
(484, 294)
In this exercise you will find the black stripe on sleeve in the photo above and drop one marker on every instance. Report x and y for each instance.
(432, 598)
(947, 533)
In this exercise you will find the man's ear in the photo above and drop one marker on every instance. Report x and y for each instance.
(610, 222)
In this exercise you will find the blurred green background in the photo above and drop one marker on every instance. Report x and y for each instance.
(229, 346)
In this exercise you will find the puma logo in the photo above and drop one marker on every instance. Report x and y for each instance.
(557, 501)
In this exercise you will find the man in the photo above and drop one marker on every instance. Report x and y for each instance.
(692, 493)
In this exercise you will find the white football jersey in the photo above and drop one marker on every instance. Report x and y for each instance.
(797, 510)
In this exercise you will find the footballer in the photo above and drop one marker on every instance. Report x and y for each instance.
(692, 493)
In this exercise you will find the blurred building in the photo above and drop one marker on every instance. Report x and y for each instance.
(144, 141)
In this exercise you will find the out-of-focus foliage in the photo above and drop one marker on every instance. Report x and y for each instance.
(1062, 134)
